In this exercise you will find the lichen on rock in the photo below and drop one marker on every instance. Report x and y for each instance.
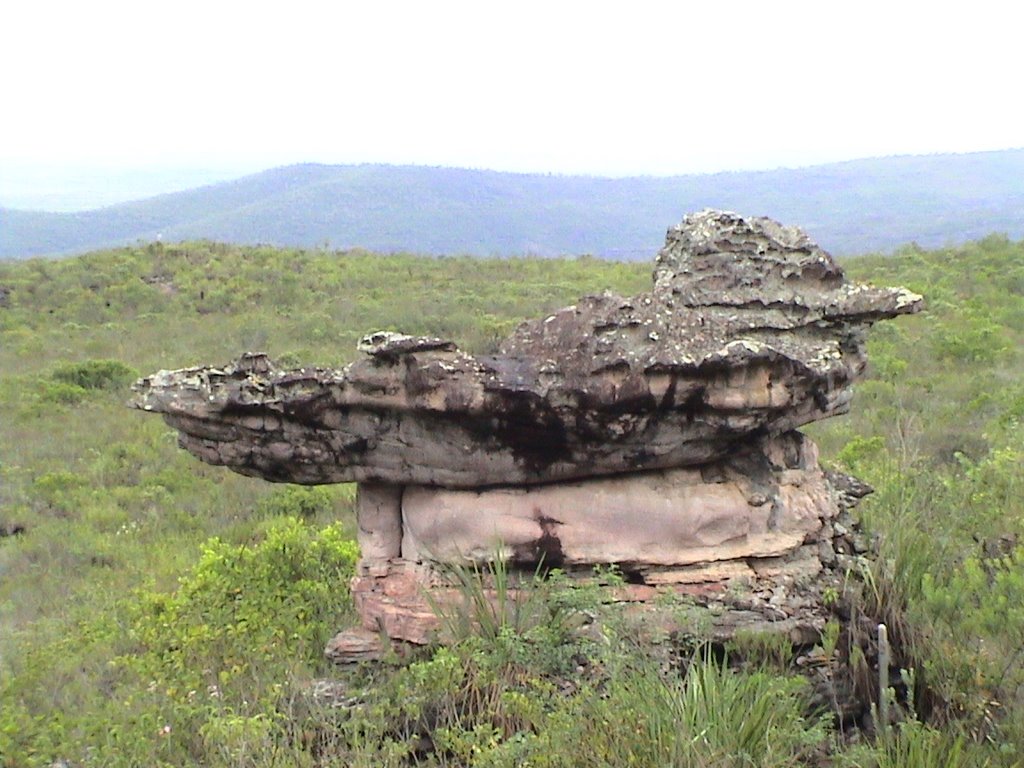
(750, 329)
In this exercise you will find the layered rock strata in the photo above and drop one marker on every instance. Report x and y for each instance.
(762, 503)
(654, 433)
(750, 329)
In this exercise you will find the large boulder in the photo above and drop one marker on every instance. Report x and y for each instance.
(654, 434)
(750, 330)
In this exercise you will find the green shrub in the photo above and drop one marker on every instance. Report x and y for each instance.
(915, 745)
(95, 374)
(714, 716)
(301, 501)
(54, 486)
(492, 601)
(60, 392)
(972, 339)
(245, 603)
(197, 676)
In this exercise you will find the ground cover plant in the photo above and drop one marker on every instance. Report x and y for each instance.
(158, 611)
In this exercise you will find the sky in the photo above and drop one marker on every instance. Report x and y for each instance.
(601, 88)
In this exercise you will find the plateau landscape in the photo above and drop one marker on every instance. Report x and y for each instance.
(479, 385)
(157, 610)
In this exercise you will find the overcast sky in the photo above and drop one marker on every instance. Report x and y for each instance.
(565, 87)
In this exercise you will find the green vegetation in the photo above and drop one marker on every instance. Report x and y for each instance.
(171, 678)
(158, 611)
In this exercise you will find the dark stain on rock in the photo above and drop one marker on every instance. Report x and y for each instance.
(693, 404)
(545, 551)
(359, 445)
(669, 398)
(529, 428)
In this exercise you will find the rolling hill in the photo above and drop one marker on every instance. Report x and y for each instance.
(852, 207)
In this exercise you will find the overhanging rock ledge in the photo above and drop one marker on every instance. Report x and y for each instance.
(750, 330)
(655, 433)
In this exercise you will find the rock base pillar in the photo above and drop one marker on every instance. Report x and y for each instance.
(379, 516)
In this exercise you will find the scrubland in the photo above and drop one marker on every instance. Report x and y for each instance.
(157, 611)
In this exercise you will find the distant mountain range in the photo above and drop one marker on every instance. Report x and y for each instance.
(852, 207)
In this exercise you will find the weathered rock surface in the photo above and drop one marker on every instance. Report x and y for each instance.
(355, 645)
(379, 517)
(763, 503)
(736, 585)
(656, 434)
(750, 330)
(401, 600)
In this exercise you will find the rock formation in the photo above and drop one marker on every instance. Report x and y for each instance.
(654, 433)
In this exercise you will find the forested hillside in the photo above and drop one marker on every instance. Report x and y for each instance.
(158, 611)
(853, 207)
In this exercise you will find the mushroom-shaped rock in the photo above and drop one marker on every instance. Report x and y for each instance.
(750, 330)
